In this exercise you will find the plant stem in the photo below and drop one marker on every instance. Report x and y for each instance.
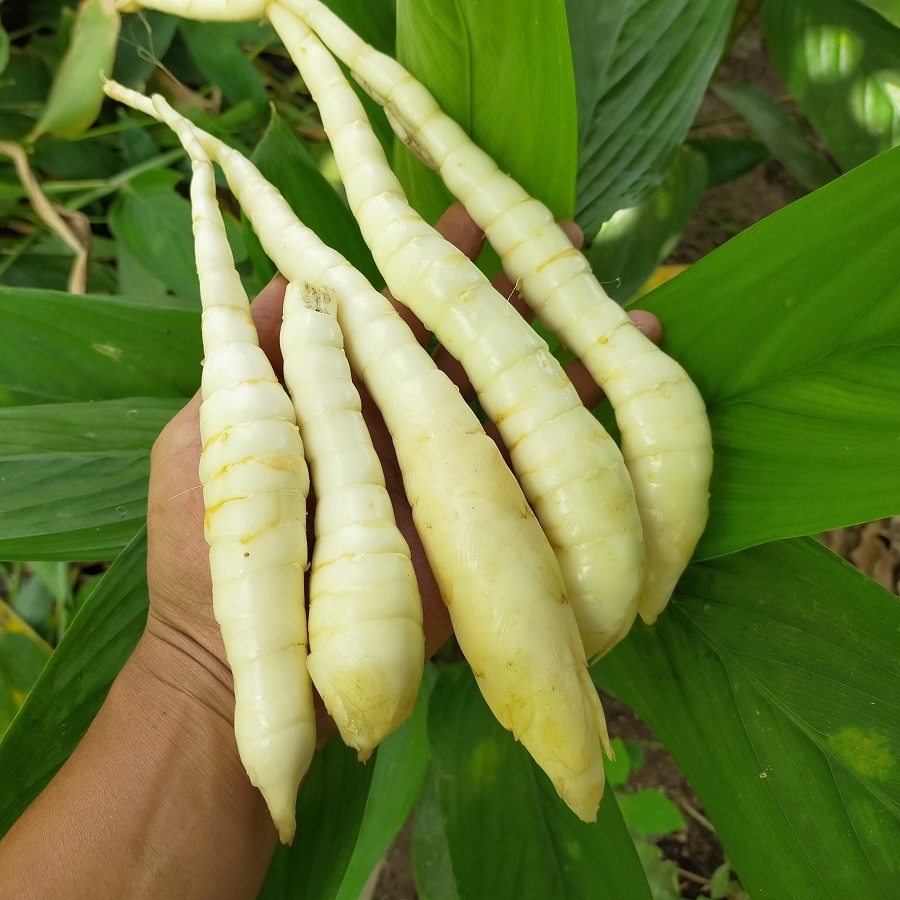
(117, 182)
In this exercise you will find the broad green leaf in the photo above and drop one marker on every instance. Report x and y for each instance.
(650, 812)
(24, 86)
(33, 602)
(23, 656)
(74, 160)
(56, 575)
(618, 769)
(728, 159)
(154, 222)
(662, 873)
(59, 347)
(74, 476)
(135, 280)
(47, 265)
(135, 145)
(74, 683)
(641, 70)
(890, 9)
(374, 20)
(399, 772)
(329, 813)
(284, 160)
(77, 93)
(636, 754)
(4, 49)
(779, 132)
(791, 331)
(503, 70)
(51, 43)
(719, 882)
(771, 680)
(223, 62)
(841, 62)
(634, 241)
(431, 857)
(493, 796)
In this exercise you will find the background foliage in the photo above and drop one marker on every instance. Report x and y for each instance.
(772, 676)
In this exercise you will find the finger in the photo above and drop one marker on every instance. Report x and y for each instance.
(590, 392)
(267, 310)
(572, 232)
(175, 452)
(461, 228)
(454, 370)
(457, 227)
(648, 324)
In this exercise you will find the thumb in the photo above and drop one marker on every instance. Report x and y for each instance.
(267, 310)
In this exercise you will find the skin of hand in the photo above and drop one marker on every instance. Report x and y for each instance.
(155, 795)
(178, 569)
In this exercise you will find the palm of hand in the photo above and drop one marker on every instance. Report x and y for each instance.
(178, 556)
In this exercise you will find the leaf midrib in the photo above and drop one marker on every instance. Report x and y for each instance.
(729, 661)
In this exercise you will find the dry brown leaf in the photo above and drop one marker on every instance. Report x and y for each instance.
(840, 541)
(60, 222)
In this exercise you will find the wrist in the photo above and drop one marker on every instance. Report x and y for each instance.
(189, 669)
(157, 777)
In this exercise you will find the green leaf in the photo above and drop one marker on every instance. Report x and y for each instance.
(4, 49)
(329, 813)
(719, 882)
(779, 132)
(791, 331)
(770, 679)
(515, 97)
(728, 159)
(75, 681)
(284, 160)
(23, 656)
(136, 281)
(399, 772)
(154, 223)
(43, 262)
(636, 754)
(77, 93)
(374, 20)
(493, 796)
(662, 873)
(841, 62)
(34, 602)
(635, 241)
(74, 160)
(217, 52)
(74, 476)
(618, 770)
(59, 347)
(57, 577)
(890, 9)
(431, 855)
(650, 812)
(641, 70)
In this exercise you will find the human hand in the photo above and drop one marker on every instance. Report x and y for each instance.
(178, 556)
